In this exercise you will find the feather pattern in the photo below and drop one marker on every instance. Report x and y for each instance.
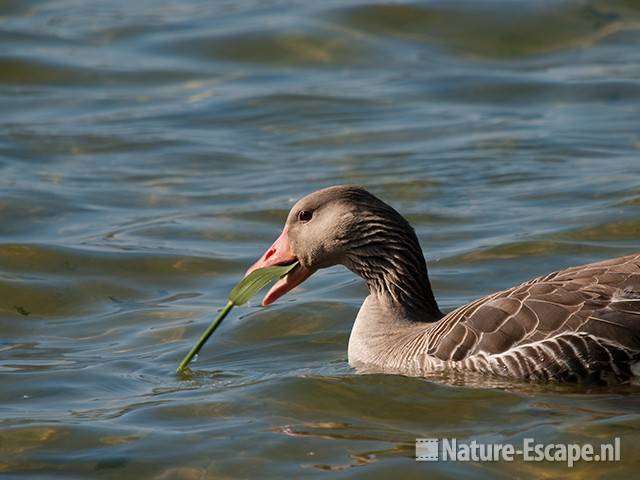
(583, 322)
(383, 248)
(578, 324)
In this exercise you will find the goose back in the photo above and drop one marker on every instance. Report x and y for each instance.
(579, 322)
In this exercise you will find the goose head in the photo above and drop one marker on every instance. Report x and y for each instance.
(347, 225)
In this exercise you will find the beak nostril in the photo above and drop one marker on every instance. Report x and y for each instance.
(279, 253)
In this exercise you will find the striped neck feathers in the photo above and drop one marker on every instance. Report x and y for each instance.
(384, 250)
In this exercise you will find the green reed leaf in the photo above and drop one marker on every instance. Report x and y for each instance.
(256, 281)
(241, 293)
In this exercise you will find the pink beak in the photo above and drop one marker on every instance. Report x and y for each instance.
(280, 254)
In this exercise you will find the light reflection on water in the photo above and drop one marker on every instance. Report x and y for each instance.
(150, 152)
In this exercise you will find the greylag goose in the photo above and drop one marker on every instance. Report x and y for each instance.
(578, 324)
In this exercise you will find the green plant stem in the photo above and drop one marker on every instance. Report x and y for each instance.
(205, 336)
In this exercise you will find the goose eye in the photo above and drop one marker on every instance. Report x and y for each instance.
(304, 215)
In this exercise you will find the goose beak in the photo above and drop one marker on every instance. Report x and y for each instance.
(280, 253)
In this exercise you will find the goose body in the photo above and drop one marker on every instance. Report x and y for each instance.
(578, 324)
(582, 323)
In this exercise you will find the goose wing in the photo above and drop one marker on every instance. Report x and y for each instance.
(600, 301)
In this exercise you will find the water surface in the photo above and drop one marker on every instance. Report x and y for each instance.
(150, 151)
